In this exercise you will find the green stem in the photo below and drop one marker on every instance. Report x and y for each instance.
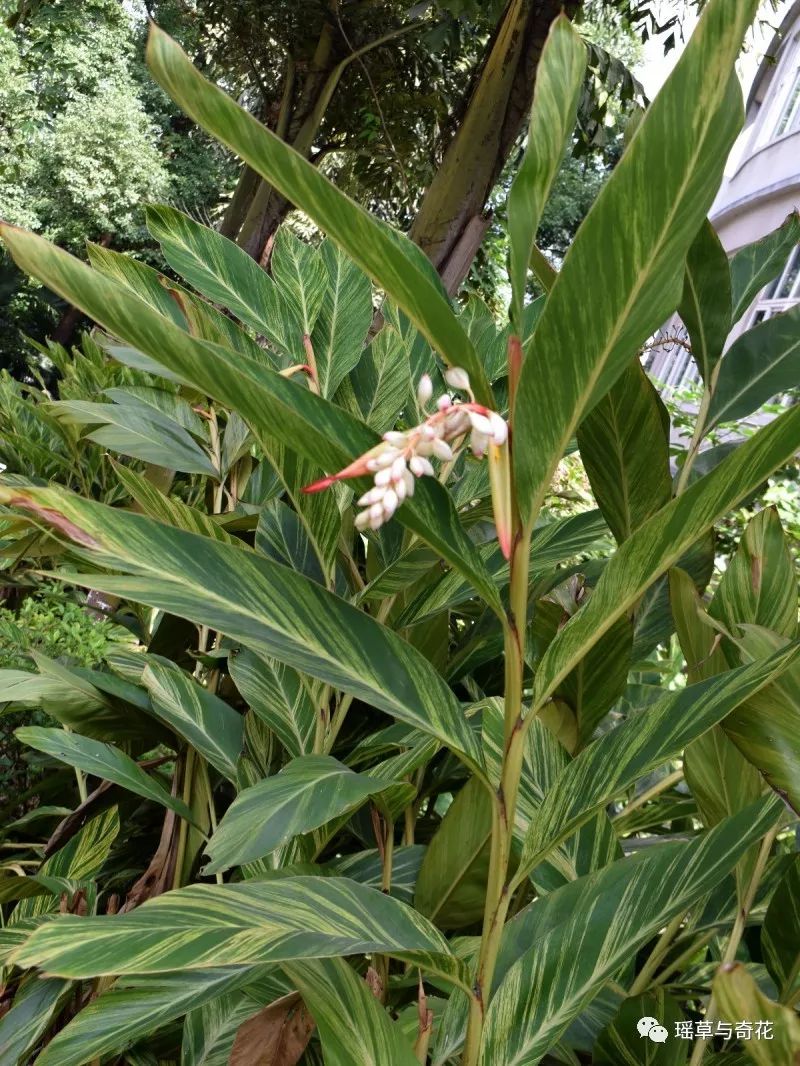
(650, 793)
(697, 439)
(642, 982)
(678, 962)
(498, 894)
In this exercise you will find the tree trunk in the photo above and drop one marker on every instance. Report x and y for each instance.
(451, 219)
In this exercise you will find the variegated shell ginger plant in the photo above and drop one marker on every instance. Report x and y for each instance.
(400, 760)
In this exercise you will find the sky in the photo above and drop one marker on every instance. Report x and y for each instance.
(656, 66)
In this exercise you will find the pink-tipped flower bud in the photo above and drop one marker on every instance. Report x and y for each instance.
(424, 390)
(481, 423)
(383, 477)
(400, 489)
(386, 458)
(375, 495)
(457, 378)
(444, 402)
(499, 428)
(479, 442)
(408, 479)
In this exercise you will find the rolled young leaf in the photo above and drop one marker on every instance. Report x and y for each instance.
(706, 303)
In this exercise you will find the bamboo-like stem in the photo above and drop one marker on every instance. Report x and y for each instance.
(738, 929)
(663, 944)
(498, 894)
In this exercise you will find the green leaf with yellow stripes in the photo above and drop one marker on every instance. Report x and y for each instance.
(274, 407)
(101, 760)
(737, 996)
(662, 540)
(265, 605)
(560, 951)
(559, 80)
(756, 264)
(278, 695)
(354, 1028)
(385, 255)
(308, 792)
(640, 228)
(644, 741)
(206, 926)
(705, 306)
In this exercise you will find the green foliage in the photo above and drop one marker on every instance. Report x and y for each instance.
(390, 769)
(54, 624)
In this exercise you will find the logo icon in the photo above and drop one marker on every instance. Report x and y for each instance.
(652, 1028)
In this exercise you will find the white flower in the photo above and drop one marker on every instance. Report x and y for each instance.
(442, 450)
(499, 428)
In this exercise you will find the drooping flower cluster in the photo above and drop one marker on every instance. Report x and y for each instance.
(401, 457)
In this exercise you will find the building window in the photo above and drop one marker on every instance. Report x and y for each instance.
(781, 294)
(789, 120)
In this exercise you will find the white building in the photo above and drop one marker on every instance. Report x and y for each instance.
(761, 188)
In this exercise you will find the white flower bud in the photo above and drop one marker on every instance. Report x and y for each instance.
(383, 477)
(372, 465)
(427, 432)
(376, 521)
(390, 502)
(386, 458)
(376, 511)
(457, 422)
(408, 480)
(398, 440)
(375, 495)
(442, 450)
(424, 390)
(479, 442)
(457, 378)
(362, 521)
(420, 466)
(481, 423)
(398, 468)
(444, 402)
(499, 428)
(400, 489)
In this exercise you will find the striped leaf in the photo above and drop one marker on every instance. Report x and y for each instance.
(275, 407)
(706, 303)
(169, 509)
(300, 274)
(344, 319)
(737, 996)
(209, 1031)
(780, 933)
(640, 228)
(385, 255)
(278, 695)
(205, 721)
(36, 1004)
(762, 363)
(621, 1043)
(307, 793)
(759, 586)
(261, 603)
(354, 1028)
(752, 267)
(624, 445)
(451, 887)
(140, 433)
(378, 388)
(766, 727)
(644, 741)
(206, 926)
(139, 277)
(662, 540)
(136, 1007)
(226, 275)
(559, 79)
(101, 760)
(560, 951)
